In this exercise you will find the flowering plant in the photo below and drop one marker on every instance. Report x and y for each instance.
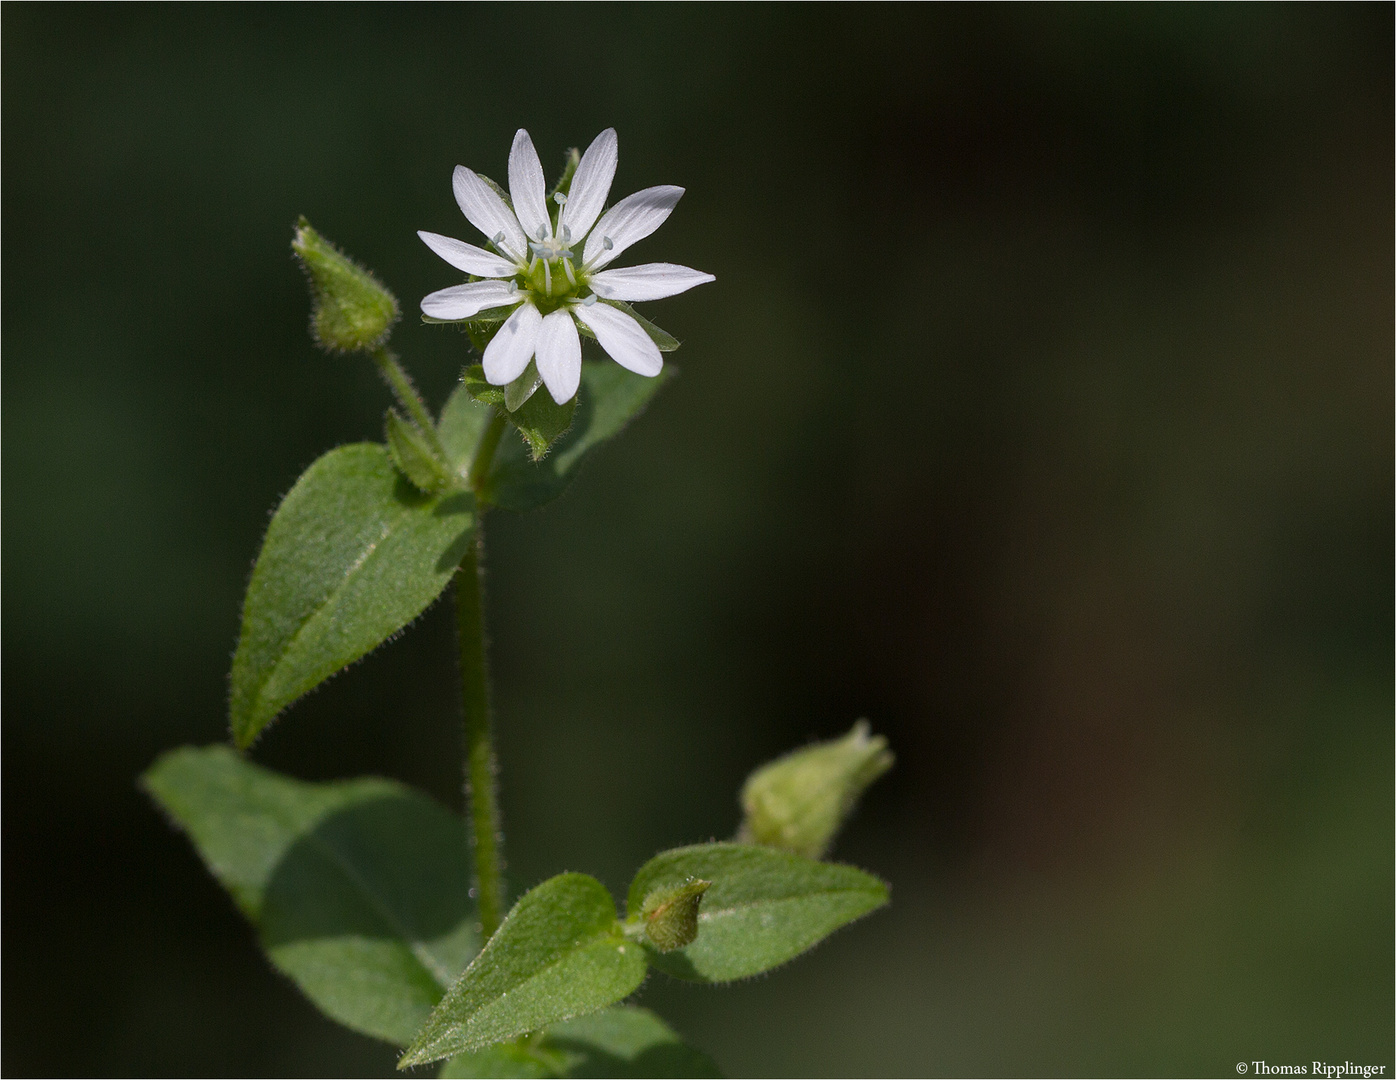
(387, 910)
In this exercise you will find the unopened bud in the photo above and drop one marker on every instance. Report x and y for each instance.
(671, 915)
(352, 308)
(798, 802)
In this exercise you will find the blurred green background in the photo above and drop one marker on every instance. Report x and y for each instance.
(1041, 412)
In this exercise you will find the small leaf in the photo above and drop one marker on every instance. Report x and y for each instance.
(624, 1041)
(358, 889)
(764, 907)
(610, 398)
(411, 452)
(559, 953)
(352, 555)
(540, 419)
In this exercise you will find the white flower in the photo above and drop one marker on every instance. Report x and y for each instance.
(535, 267)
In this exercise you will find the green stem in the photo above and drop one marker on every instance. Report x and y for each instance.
(395, 375)
(481, 769)
(487, 832)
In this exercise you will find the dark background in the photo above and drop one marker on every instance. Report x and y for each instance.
(1041, 412)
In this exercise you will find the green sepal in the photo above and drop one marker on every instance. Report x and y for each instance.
(622, 1041)
(540, 420)
(358, 889)
(560, 952)
(662, 338)
(610, 397)
(517, 393)
(353, 554)
(412, 453)
(800, 801)
(352, 309)
(764, 907)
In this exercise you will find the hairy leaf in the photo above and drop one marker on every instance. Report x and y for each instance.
(358, 889)
(463, 421)
(624, 1041)
(610, 398)
(411, 451)
(559, 953)
(353, 554)
(764, 907)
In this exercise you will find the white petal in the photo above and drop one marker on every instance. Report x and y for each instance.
(466, 301)
(648, 281)
(560, 355)
(591, 184)
(630, 220)
(526, 187)
(509, 352)
(622, 337)
(468, 257)
(484, 209)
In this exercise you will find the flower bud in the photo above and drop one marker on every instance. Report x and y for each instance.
(798, 802)
(352, 308)
(671, 915)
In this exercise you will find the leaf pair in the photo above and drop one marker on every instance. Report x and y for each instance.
(359, 893)
(357, 550)
(562, 951)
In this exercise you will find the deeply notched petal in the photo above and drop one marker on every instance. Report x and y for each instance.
(629, 221)
(560, 355)
(527, 188)
(510, 350)
(468, 257)
(467, 301)
(624, 340)
(648, 281)
(591, 184)
(484, 209)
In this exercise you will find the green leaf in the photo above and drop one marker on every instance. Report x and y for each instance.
(540, 419)
(764, 906)
(353, 554)
(609, 399)
(463, 421)
(559, 953)
(624, 1041)
(412, 453)
(358, 889)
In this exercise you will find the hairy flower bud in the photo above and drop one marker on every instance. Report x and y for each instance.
(798, 802)
(671, 915)
(352, 308)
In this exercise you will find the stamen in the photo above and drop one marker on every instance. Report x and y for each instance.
(567, 234)
(559, 198)
(542, 234)
(607, 243)
(547, 279)
(587, 301)
(497, 238)
(567, 265)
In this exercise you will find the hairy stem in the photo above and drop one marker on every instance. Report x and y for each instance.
(487, 833)
(481, 769)
(395, 375)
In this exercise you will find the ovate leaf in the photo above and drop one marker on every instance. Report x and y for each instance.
(764, 907)
(559, 953)
(610, 398)
(353, 554)
(623, 1041)
(358, 889)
